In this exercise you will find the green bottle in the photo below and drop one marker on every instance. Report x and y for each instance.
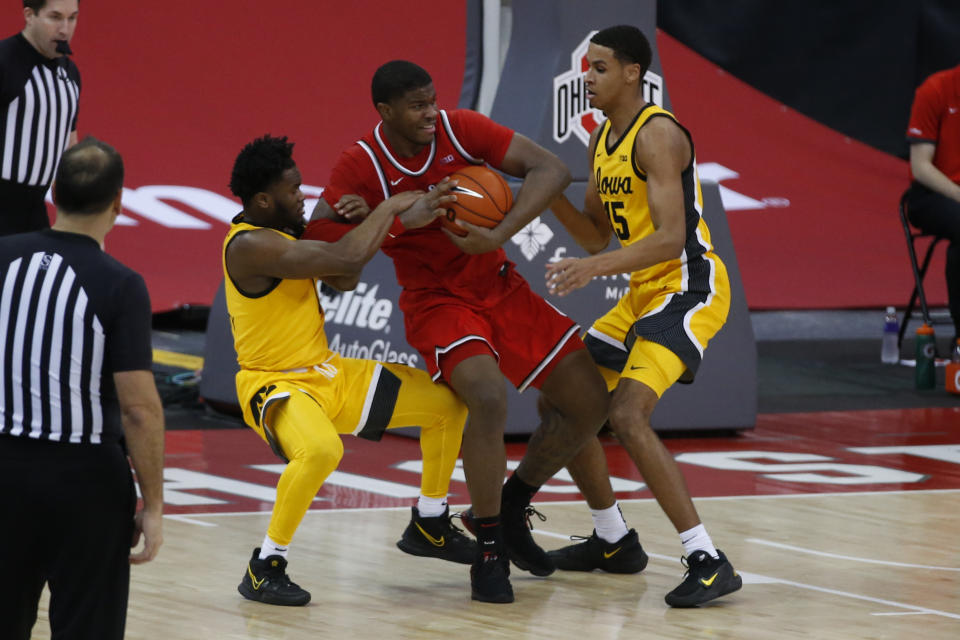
(925, 374)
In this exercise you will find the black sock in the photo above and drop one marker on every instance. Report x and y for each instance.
(489, 537)
(518, 492)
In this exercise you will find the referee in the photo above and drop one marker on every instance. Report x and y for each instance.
(39, 100)
(77, 397)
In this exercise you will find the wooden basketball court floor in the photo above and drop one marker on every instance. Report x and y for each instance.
(842, 524)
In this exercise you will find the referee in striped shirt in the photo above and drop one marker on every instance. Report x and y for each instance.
(39, 100)
(77, 397)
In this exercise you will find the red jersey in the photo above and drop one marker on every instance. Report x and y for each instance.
(935, 118)
(424, 258)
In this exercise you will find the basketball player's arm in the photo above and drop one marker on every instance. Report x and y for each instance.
(350, 206)
(590, 228)
(924, 171)
(257, 258)
(141, 414)
(544, 177)
(663, 152)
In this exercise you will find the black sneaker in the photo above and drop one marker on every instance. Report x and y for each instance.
(623, 556)
(267, 581)
(437, 538)
(521, 549)
(490, 579)
(706, 578)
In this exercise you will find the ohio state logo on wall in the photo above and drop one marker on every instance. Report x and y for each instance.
(572, 113)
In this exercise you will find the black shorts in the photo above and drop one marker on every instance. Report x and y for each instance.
(67, 522)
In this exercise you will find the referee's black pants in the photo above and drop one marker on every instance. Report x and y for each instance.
(22, 208)
(67, 512)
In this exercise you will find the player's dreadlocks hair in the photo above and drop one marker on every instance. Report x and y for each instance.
(260, 164)
(395, 78)
(628, 43)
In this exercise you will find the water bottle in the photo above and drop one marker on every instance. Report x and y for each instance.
(952, 379)
(889, 350)
(925, 373)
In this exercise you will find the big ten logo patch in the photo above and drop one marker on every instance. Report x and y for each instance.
(572, 113)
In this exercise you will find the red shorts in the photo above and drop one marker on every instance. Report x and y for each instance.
(527, 335)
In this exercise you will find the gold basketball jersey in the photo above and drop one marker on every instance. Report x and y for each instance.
(280, 329)
(622, 187)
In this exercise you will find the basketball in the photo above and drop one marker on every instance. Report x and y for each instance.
(483, 198)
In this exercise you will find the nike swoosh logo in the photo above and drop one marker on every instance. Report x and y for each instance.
(437, 542)
(607, 556)
(634, 367)
(467, 192)
(709, 582)
(396, 182)
(256, 583)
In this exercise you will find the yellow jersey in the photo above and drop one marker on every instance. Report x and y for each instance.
(279, 329)
(622, 187)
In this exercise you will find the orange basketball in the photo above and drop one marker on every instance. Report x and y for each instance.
(483, 198)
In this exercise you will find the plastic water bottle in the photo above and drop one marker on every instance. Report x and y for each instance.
(889, 350)
(952, 379)
(925, 373)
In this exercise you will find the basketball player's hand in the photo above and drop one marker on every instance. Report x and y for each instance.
(567, 275)
(352, 207)
(429, 206)
(150, 524)
(477, 240)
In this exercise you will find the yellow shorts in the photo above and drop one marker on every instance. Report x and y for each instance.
(656, 334)
(362, 397)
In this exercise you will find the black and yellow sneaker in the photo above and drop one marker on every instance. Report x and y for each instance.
(490, 579)
(706, 578)
(623, 556)
(437, 538)
(267, 581)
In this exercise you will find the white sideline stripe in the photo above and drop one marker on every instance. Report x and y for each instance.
(825, 554)
(902, 613)
(581, 503)
(199, 523)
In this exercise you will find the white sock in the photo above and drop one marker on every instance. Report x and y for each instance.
(431, 507)
(609, 523)
(696, 539)
(271, 548)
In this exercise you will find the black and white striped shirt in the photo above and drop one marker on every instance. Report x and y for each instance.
(39, 101)
(70, 316)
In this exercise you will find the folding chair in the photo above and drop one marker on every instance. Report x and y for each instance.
(919, 272)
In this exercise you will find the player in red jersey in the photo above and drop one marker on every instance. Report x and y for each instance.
(468, 311)
(933, 201)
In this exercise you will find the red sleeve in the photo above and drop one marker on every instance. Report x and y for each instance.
(326, 230)
(354, 173)
(481, 136)
(926, 112)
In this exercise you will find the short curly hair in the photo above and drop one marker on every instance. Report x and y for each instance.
(260, 164)
(628, 43)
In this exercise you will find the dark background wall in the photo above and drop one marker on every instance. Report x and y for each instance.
(852, 65)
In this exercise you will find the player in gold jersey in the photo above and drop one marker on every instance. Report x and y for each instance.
(296, 393)
(643, 187)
